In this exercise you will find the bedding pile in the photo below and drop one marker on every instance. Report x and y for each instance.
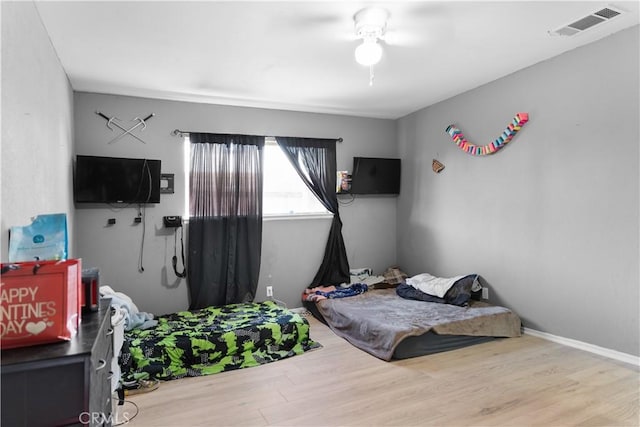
(425, 287)
(364, 276)
(323, 292)
(213, 340)
(133, 318)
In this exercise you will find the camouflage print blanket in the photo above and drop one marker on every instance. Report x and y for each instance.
(213, 340)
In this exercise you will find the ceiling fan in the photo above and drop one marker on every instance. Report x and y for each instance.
(370, 26)
(380, 28)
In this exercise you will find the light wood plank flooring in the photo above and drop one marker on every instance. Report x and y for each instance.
(511, 382)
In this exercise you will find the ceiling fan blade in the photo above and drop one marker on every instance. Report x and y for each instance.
(401, 38)
(413, 24)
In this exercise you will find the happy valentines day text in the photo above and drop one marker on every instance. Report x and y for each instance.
(18, 305)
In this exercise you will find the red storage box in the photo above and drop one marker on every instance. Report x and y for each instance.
(40, 302)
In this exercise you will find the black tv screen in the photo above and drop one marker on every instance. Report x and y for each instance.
(116, 180)
(373, 175)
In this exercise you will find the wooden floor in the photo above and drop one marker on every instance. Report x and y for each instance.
(510, 382)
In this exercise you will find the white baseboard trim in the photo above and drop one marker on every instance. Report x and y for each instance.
(298, 310)
(606, 352)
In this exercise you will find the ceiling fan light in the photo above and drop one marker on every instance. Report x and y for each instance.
(368, 53)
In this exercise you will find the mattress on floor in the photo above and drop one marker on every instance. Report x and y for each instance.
(378, 321)
(214, 339)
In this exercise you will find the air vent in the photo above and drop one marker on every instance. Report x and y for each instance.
(586, 22)
(607, 13)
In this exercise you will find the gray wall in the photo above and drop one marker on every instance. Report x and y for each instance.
(292, 249)
(551, 222)
(37, 142)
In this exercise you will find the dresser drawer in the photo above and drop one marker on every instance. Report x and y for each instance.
(100, 397)
(100, 372)
(101, 358)
(103, 345)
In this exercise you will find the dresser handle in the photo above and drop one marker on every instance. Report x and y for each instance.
(109, 331)
(110, 376)
(101, 364)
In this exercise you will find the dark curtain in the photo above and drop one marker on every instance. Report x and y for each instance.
(315, 162)
(225, 218)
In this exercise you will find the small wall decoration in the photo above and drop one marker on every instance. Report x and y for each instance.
(477, 150)
(437, 166)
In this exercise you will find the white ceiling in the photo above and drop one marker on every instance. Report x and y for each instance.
(298, 55)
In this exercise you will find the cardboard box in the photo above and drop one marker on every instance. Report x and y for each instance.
(40, 302)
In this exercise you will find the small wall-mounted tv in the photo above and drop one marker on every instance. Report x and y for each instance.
(116, 180)
(374, 175)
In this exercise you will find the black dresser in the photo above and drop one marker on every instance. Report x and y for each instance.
(65, 383)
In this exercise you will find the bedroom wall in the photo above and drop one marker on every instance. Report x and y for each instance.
(551, 222)
(291, 249)
(37, 125)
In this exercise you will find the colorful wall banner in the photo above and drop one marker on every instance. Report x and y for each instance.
(482, 150)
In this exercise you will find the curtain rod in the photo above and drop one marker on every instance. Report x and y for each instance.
(183, 133)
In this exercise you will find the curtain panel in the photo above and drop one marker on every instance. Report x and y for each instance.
(315, 161)
(225, 218)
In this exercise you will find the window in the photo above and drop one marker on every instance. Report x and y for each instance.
(284, 193)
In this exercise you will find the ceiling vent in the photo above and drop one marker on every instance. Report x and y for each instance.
(586, 22)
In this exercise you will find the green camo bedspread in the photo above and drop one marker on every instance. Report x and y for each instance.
(213, 340)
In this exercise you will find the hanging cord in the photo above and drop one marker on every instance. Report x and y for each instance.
(348, 202)
(125, 415)
(142, 213)
(174, 260)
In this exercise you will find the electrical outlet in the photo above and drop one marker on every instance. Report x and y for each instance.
(269, 291)
(485, 293)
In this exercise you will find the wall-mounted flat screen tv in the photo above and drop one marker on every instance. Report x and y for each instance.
(374, 175)
(116, 180)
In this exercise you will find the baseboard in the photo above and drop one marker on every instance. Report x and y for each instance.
(299, 310)
(606, 352)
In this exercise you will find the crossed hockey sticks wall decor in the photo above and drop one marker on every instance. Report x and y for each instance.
(112, 121)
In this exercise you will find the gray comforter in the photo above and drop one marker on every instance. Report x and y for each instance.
(378, 320)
